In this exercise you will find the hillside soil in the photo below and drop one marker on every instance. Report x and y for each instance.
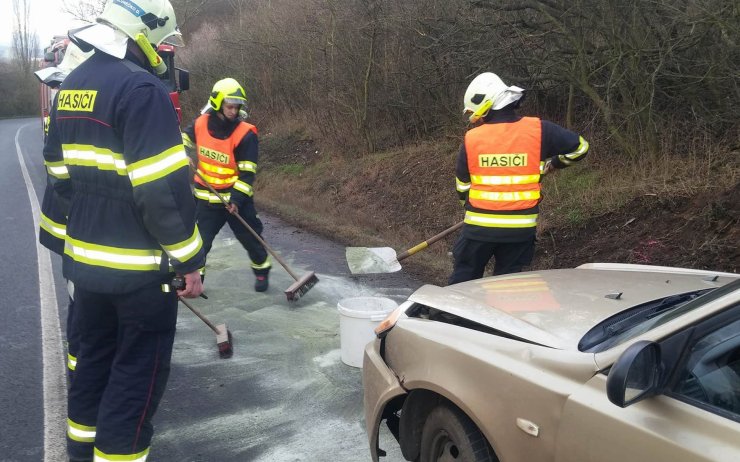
(400, 198)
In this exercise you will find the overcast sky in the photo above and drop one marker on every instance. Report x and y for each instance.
(47, 19)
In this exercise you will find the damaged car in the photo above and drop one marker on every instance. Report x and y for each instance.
(603, 362)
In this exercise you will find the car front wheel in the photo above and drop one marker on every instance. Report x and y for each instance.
(450, 436)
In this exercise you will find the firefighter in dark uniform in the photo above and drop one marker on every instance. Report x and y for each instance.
(130, 227)
(499, 169)
(227, 150)
(53, 221)
(53, 229)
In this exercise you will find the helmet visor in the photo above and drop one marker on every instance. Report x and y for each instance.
(174, 39)
(232, 100)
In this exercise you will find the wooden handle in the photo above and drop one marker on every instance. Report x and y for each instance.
(200, 315)
(246, 225)
(429, 241)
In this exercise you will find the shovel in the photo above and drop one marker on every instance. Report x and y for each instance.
(368, 260)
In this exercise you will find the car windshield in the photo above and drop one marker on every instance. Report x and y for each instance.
(641, 318)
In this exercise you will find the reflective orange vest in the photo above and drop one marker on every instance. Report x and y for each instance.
(504, 165)
(216, 161)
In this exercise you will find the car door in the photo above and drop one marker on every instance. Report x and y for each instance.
(695, 418)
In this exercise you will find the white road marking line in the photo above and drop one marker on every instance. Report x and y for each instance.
(55, 379)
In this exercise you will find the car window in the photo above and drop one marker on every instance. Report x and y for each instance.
(639, 319)
(710, 377)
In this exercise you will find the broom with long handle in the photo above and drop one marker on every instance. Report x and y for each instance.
(302, 284)
(223, 334)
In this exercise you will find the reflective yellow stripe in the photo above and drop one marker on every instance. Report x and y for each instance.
(213, 180)
(159, 166)
(58, 230)
(243, 187)
(113, 257)
(185, 250)
(509, 196)
(461, 186)
(187, 142)
(71, 362)
(92, 156)
(571, 158)
(247, 166)
(500, 221)
(81, 433)
(210, 197)
(505, 180)
(216, 169)
(264, 265)
(100, 456)
(57, 169)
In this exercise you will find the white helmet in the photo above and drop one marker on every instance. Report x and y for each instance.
(486, 92)
(153, 18)
(73, 57)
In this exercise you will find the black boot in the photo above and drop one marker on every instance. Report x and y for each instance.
(261, 283)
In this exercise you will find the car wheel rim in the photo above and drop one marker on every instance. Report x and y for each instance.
(445, 450)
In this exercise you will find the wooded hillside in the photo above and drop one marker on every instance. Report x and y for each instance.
(359, 105)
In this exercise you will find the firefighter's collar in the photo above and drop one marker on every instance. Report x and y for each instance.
(101, 37)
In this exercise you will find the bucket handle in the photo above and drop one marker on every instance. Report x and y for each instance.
(378, 317)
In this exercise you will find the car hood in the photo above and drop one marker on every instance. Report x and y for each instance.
(556, 308)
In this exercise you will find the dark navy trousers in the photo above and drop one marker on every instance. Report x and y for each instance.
(212, 217)
(472, 256)
(123, 363)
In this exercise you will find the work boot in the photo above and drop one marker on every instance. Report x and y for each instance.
(261, 283)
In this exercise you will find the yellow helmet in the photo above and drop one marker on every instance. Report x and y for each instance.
(229, 91)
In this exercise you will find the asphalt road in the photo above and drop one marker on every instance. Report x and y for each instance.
(284, 396)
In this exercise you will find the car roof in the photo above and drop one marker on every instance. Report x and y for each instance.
(556, 308)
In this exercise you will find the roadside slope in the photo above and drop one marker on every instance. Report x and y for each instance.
(401, 197)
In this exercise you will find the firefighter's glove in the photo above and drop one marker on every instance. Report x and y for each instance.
(189, 285)
(549, 167)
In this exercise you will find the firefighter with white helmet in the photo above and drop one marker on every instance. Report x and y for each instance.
(116, 159)
(53, 221)
(499, 169)
(227, 150)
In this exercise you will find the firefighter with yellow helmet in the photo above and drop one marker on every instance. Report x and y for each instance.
(227, 150)
(499, 169)
(116, 160)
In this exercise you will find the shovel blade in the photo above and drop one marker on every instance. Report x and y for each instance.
(369, 260)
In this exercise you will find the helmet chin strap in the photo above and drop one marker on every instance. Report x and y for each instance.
(154, 59)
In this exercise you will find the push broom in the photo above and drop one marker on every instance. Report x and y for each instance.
(223, 334)
(302, 284)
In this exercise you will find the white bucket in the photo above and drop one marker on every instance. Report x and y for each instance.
(358, 317)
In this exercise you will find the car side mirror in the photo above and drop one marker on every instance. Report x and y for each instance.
(636, 374)
(183, 80)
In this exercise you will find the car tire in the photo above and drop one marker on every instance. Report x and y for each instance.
(450, 436)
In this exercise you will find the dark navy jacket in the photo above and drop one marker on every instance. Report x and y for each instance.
(115, 155)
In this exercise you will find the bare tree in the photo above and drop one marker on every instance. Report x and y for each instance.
(86, 10)
(25, 41)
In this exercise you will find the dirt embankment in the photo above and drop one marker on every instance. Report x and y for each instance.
(399, 198)
(700, 232)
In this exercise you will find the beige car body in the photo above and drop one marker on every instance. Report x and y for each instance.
(530, 391)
